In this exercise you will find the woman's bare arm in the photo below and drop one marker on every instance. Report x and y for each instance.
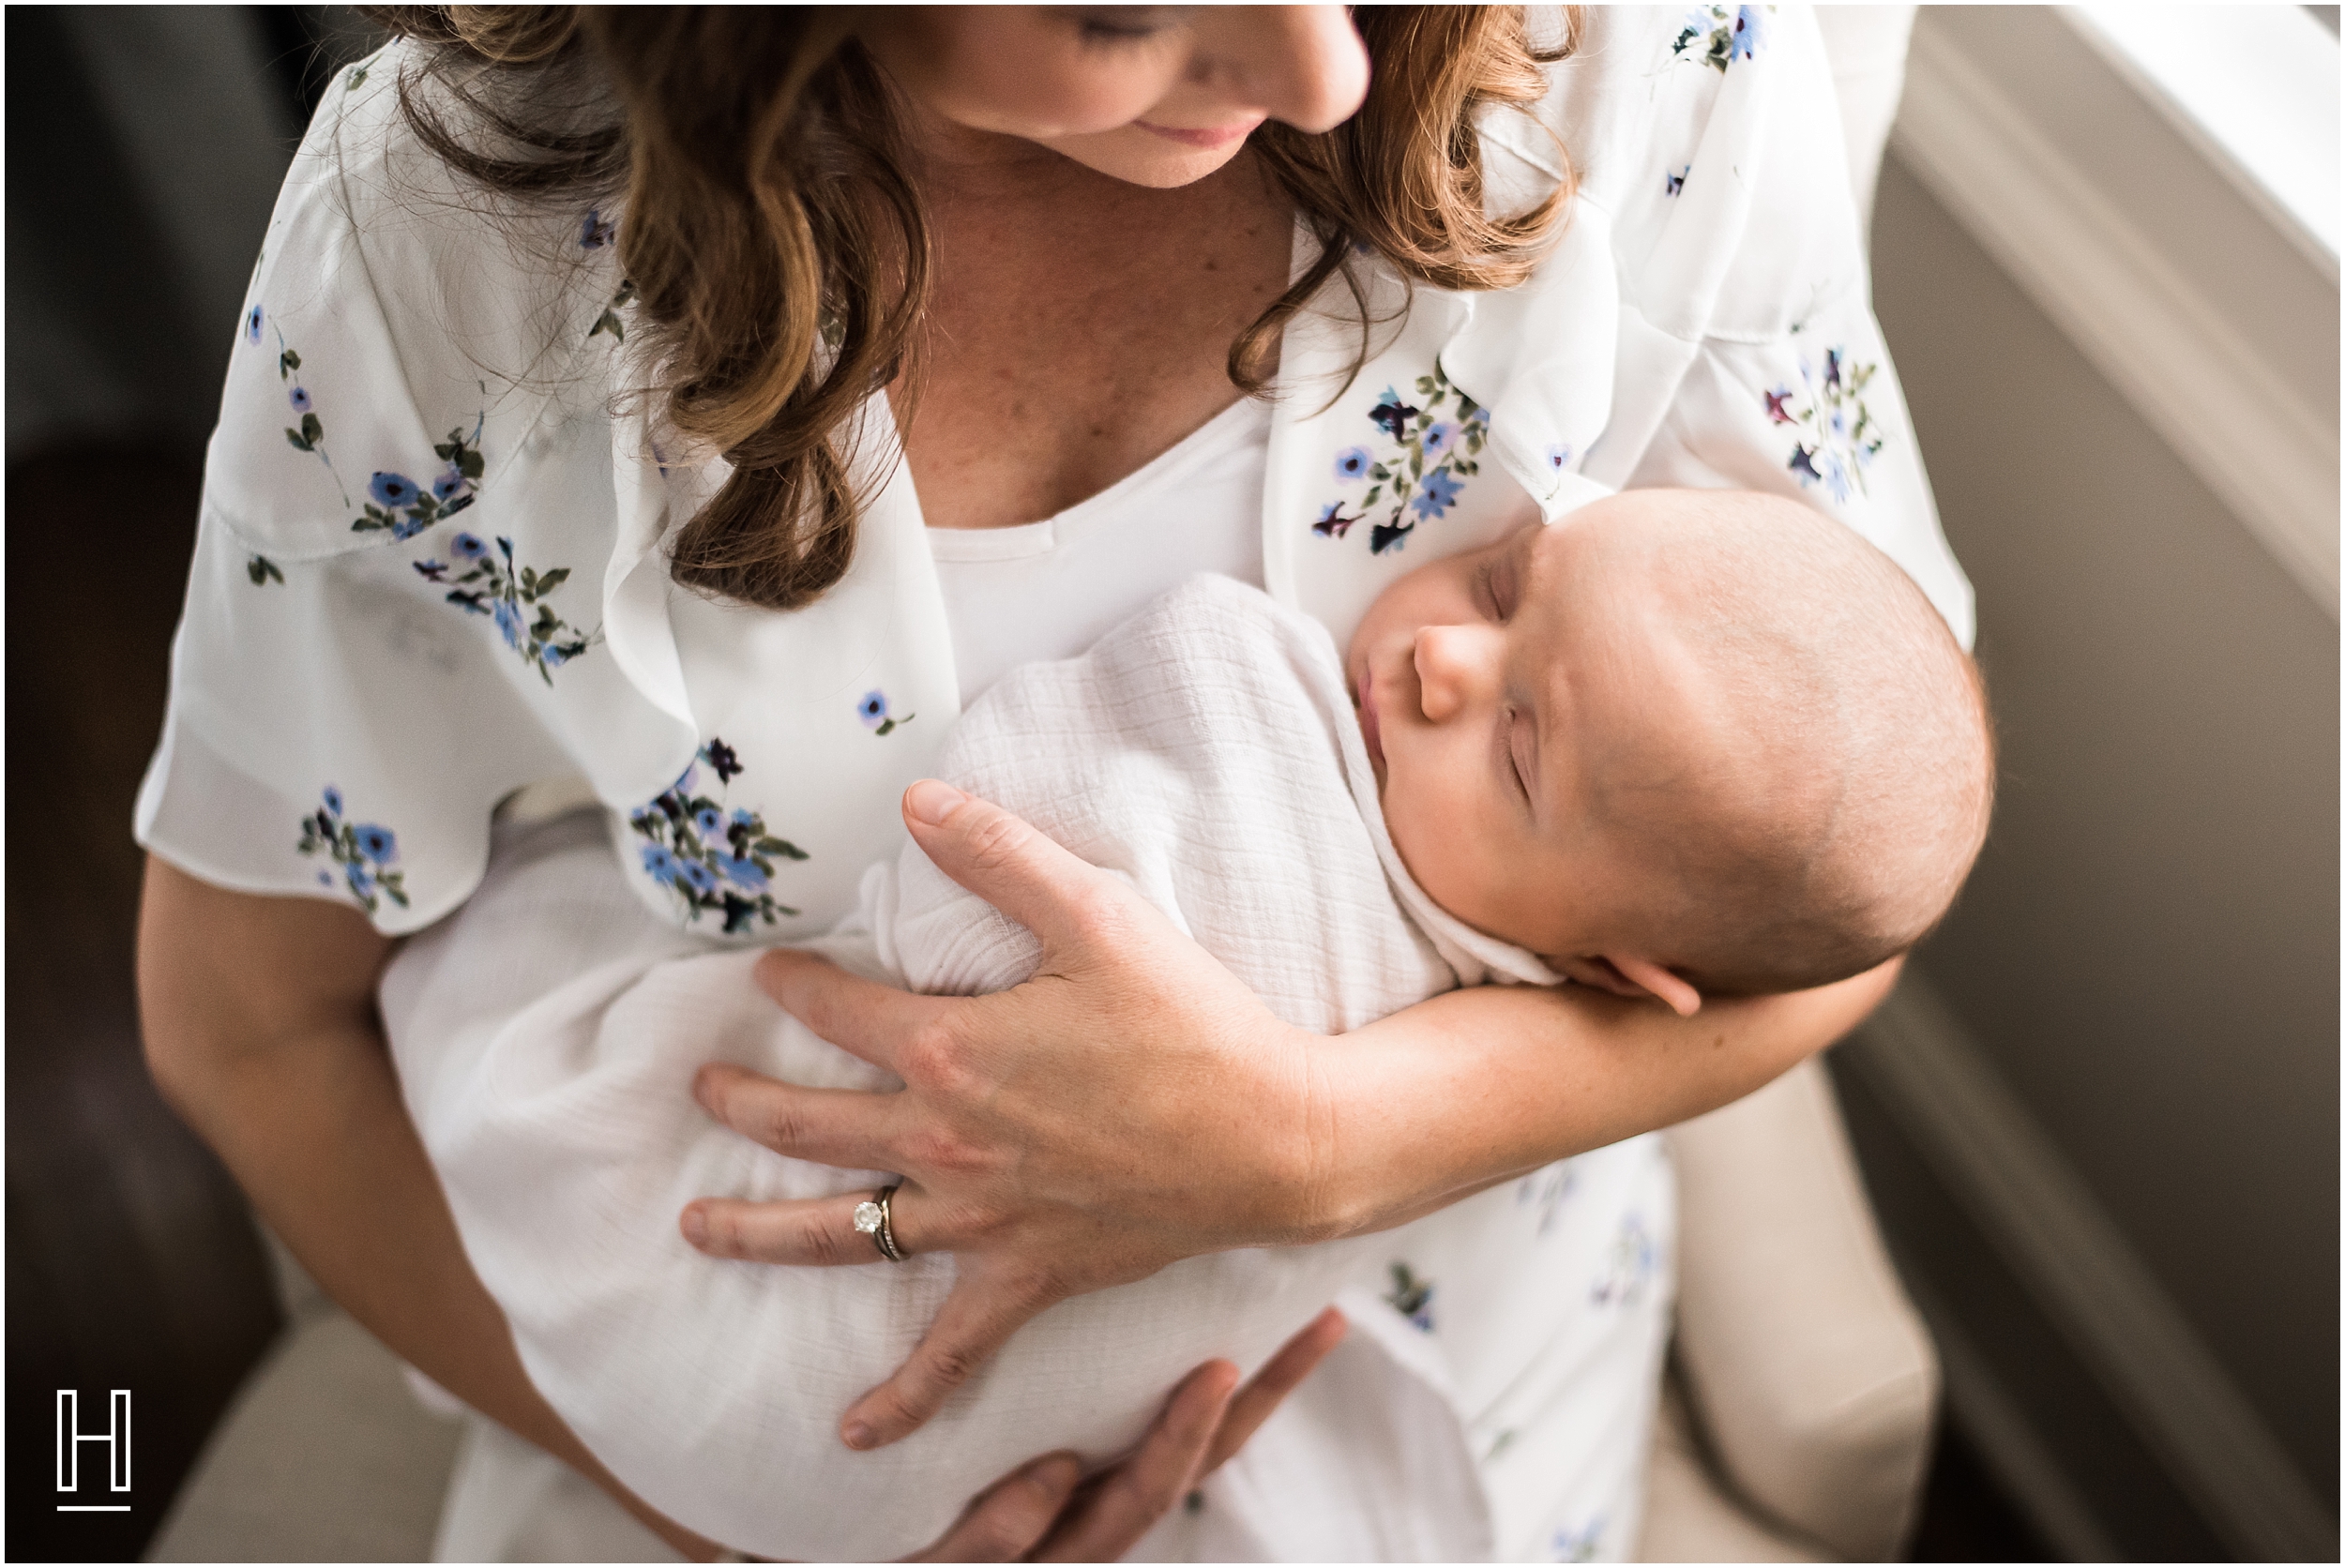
(1133, 1104)
(261, 1030)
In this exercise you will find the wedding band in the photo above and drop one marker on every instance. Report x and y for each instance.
(874, 1218)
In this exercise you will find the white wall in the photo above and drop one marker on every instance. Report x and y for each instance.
(2147, 954)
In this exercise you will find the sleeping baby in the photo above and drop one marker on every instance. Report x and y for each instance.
(1678, 744)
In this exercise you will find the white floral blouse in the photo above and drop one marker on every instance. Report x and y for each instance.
(430, 574)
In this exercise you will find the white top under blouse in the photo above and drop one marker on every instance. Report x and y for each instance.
(1048, 590)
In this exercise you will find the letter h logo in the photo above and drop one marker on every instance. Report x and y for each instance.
(116, 1437)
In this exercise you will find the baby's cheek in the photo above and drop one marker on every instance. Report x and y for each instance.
(1436, 841)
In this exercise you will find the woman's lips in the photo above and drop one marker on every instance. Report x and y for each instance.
(1221, 137)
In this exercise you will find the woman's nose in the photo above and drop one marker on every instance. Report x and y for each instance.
(1456, 668)
(1304, 65)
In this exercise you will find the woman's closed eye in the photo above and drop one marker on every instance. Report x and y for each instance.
(1112, 26)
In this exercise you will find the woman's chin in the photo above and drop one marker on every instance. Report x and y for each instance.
(1131, 154)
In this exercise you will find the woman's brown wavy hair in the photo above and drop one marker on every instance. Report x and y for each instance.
(777, 244)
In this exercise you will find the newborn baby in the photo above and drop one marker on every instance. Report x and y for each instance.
(1683, 744)
(1679, 743)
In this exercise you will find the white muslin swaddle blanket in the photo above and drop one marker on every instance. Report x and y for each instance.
(1207, 751)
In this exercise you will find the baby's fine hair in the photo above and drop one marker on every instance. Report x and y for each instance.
(1878, 754)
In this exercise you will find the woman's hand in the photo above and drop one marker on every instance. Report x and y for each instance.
(1044, 1512)
(1130, 1055)
(1132, 1104)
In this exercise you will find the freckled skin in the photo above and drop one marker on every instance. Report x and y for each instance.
(1078, 328)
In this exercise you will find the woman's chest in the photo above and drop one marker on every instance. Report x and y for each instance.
(1071, 341)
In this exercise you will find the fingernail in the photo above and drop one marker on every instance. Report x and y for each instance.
(857, 1434)
(696, 1227)
(932, 802)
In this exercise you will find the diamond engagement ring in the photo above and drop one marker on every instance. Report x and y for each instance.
(872, 1218)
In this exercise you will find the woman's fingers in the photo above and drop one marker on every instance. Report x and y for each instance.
(1005, 861)
(1010, 1516)
(975, 1320)
(1295, 1362)
(1134, 1495)
(842, 1127)
(816, 1232)
(859, 1016)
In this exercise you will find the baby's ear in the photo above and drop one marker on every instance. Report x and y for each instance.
(1634, 977)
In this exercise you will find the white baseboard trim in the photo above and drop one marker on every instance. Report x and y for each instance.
(2064, 1248)
(2247, 434)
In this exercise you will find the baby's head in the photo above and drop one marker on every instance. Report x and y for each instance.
(1683, 743)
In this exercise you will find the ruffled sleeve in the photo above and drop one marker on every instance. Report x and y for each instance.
(1748, 355)
(392, 619)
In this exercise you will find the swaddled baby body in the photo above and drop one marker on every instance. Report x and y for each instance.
(1620, 741)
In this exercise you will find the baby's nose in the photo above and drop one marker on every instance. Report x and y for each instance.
(1454, 665)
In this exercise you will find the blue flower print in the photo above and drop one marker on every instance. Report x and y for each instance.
(393, 489)
(1332, 523)
(356, 75)
(251, 325)
(609, 322)
(1558, 457)
(403, 508)
(309, 434)
(1629, 1267)
(1836, 436)
(712, 860)
(1391, 415)
(1716, 35)
(262, 571)
(1547, 1190)
(872, 709)
(496, 587)
(364, 852)
(1430, 449)
(1411, 1297)
(1578, 1545)
(1435, 496)
(1673, 180)
(595, 232)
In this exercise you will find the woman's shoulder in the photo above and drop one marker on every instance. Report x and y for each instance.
(1707, 144)
(404, 322)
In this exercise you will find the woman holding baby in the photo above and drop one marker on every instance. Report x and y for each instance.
(755, 344)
